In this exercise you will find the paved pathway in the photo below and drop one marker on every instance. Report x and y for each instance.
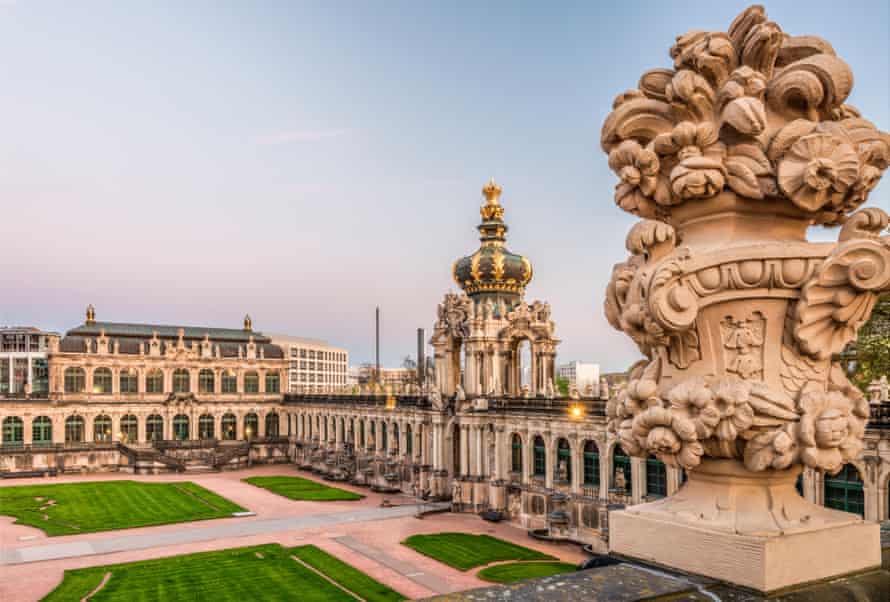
(431, 582)
(121, 543)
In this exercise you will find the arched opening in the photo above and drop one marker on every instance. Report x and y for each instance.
(591, 464)
(228, 382)
(75, 380)
(384, 433)
(395, 437)
(102, 380)
(621, 481)
(154, 382)
(455, 450)
(516, 454)
(844, 491)
(563, 466)
(41, 431)
(372, 437)
(524, 366)
(409, 442)
(74, 427)
(128, 382)
(154, 428)
(180, 427)
(539, 453)
(227, 427)
(251, 425)
(273, 382)
(129, 428)
(656, 478)
(273, 424)
(206, 381)
(361, 434)
(205, 426)
(102, 428)
(13, 432)
(251, 382)
(181, 382)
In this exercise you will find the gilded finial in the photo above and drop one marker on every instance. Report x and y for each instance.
(248, 325)
(91, 314)
(492, 192)
(492, 208)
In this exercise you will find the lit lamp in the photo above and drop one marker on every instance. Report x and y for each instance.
(248, 432)
(122, 436)
(576, 411)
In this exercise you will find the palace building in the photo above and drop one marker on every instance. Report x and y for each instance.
(489, 431)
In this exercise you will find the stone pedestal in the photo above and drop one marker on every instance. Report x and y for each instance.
(750, 529)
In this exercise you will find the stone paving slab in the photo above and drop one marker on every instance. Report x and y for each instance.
(431, 582)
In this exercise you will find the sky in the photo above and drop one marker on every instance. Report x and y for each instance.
(190, 162)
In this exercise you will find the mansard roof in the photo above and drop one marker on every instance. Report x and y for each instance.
(146, 331)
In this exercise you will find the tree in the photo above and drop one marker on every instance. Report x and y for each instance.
(562, 386)
(871, 351)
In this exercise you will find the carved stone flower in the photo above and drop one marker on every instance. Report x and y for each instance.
(831, 429)
(692, 398)
(774, 449)
(731, 401)
(638, 169)
(818, 170)
(668, 435)
(695, 157)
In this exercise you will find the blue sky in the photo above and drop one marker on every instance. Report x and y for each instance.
(187, 162)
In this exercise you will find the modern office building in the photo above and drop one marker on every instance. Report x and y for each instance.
(582, 375)
(23, 365)
(314, 366)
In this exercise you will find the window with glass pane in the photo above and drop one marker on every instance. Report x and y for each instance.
(516, 453)
(409, 444)
(129, 428)
(154, 428)
(13, 431)
(843, 491)
(384, 433)
(205, 381)
(563, 460)
(361, 433)
(75, 380)
(39, 376)
(74, 427)
(591, 464)
(4, 375)
(229, 383)
(181, 381)
(20, 374)
(154, 382)
(621, 463)
(102, 381)
(251, 425)
(227, 426)
(540, 457)
(251, 382)
(129, 382)
(42, 431)
(180, 425)
(205, 426)
(273, 424)
(273, 382)
(102, 428)
(656, 477)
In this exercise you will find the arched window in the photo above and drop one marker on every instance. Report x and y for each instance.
(563, 461)
(361, 434)
(229, 382)
(591, 464)
(102, 428)
(516, 453)
(251, 382)
(154, 382)
(102, 381)
(656, 478)
(205, 381)
(333, 431)
(74, 429)
(621, 471)
(384, 433)
(273, 424)
(540, 456)
(273, 382)
(128, 382)
(409, 443)
(205, 426)
(843, 491)
(181, 380)
(180, 425)
(129, 428)
(75, 380)
(154, 428)
(13, 431)
(227, 427)
(42, 431)
(251, 425)
(372, 438)
(395, 437)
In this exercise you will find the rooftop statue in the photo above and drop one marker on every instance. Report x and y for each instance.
(729, 157)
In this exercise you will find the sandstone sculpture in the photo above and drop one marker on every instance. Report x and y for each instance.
(729, 157)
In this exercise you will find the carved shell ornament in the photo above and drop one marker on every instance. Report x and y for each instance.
(753, 110)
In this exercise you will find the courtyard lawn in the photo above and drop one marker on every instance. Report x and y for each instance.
(71, 508)
(518, 571)
(266, 573)
(464, 551)
(297, 488)
(346, 575)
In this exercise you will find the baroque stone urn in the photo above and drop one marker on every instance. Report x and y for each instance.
(729, 157)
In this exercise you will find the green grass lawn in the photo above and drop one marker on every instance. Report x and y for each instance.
(70, 508)
(297, 488)
(266, 573)
(346, 575)
(464, 551)
(517, 571)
